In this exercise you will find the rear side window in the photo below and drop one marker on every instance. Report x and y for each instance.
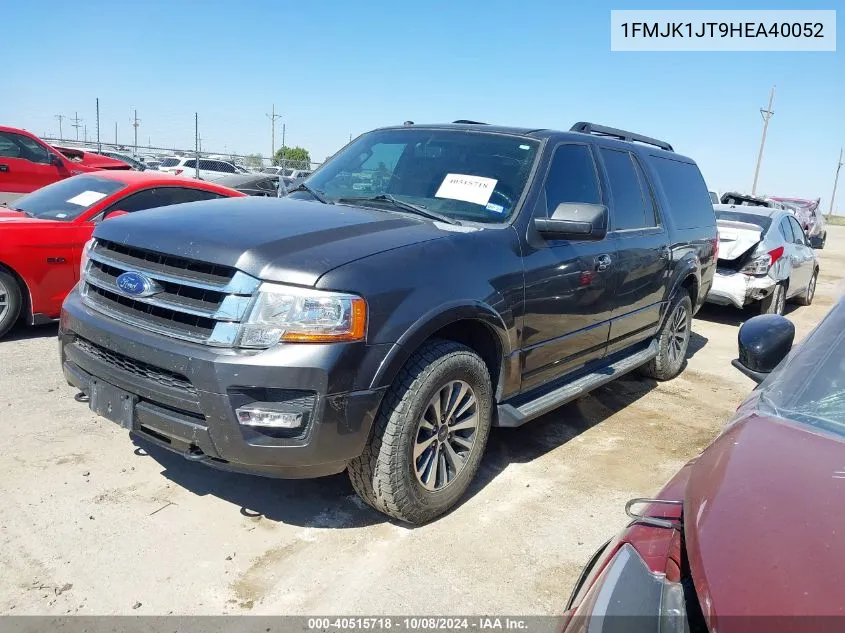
(169, 162)
(629, 193)
(686, 192)
(191, 164)
(786, 231)
(572, 177)
(797, 231)
(160, 197)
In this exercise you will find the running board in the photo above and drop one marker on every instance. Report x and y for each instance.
(511, 416)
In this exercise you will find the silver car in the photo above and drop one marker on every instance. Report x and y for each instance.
(765, 259)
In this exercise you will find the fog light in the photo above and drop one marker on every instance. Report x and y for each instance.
(256, 415)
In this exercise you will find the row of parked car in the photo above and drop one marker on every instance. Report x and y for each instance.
(430, 282)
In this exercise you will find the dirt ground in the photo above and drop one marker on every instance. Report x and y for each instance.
(92, 524)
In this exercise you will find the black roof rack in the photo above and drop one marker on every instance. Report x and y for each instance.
(623, 135)
(469, 122)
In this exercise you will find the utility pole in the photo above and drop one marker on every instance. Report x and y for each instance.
(767, 114)
(273, 116)
(99, 147)
(76, 124)
(85, 134)
(115, 134)
(60, 117)
(135, 124)
(835, 182)
(197, 142)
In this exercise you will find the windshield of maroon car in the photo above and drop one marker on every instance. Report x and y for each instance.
(67, 199)
(809, 386)
(461, 174)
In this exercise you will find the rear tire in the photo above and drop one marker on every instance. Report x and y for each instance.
(806, 297)
(10, 302)
(415, 467)
(775, 303)
(672, 341)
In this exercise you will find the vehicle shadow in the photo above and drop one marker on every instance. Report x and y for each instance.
(327, 502)
(331, 503)
(696, 344)
(26, 332)
(729, 315)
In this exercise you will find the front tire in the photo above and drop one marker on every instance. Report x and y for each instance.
(672, 341)
(10, 302)
(429, 435)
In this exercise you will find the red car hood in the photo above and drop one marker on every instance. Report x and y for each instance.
(9, 217)
(90, 159)
(764, 523)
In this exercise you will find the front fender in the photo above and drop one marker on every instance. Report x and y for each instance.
(431, 322)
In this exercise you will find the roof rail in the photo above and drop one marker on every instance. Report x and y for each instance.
(467, 121)
(623, 135)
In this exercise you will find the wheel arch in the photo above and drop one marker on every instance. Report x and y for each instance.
(26, 296)
(475, 325)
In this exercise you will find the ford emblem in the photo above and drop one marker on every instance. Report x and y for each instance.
(137, 285)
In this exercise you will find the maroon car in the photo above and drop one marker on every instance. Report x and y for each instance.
(750, 536)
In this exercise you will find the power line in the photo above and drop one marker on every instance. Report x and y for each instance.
(77, 123)
(835, 182)
(273, 116)
(767, 114)
(60, 117)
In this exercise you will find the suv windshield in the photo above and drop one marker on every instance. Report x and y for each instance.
(809, 386)
(466, 175)
(67, 199)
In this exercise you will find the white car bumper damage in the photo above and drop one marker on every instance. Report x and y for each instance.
(738, 289)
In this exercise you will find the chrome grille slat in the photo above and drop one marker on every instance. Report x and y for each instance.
(203, 306)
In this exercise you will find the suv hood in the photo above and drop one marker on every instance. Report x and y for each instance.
(283, 240)
(764, 523)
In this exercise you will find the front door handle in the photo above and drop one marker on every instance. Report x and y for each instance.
(603, 262)
(4, 168)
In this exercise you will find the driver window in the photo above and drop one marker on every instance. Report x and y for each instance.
(572, 178)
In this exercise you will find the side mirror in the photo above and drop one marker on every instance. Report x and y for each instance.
(56, 160)
(764, 342)
(574, 221)
(115, 214)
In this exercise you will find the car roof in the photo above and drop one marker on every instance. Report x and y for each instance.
(150, 178)
(539, 134)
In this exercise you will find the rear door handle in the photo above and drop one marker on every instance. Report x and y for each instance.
(4, 168)
(603, 262)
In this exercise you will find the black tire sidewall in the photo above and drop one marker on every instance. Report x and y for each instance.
(10, 315)
(663, 348)
(464, 366)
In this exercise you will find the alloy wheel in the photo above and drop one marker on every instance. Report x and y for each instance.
(678, 335)
(780, 301)
(4, 299)
(445, 435)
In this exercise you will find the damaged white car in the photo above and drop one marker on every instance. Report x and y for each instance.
(765, 259)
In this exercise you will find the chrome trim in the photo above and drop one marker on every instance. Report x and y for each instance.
(240, 284)
(232, 308)
(653, 521)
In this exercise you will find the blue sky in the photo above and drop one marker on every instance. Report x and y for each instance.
(336, 68)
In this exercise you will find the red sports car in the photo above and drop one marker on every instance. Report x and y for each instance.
(42, 234)
(27, 163)
(747, 537)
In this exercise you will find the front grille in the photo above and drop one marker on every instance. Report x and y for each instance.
(196, 301)
(135, 367)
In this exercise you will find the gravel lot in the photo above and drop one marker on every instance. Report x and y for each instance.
(92, 524)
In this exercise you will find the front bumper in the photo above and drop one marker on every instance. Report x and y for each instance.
(738, 289)
(185, 394)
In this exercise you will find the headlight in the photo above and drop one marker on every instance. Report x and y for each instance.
(629, 596)
(83, 261)
(289, 314)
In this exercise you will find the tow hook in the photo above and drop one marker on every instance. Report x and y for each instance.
(82, 397)
(195, 454)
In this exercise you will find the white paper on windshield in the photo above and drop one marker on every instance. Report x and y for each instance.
(87, 198)
(475, 189)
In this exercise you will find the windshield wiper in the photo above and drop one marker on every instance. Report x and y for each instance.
(401, 204)
(28, 214)
(317, 195)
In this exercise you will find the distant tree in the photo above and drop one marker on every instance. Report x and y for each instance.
(253, 160)
(292, 155)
